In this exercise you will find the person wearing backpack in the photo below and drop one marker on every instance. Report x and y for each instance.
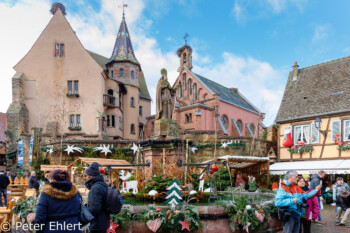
(97, 198)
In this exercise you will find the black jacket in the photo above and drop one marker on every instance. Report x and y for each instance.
(59, 203)
(344, 203)
(96, 203)
(4, 181)
(33, 183)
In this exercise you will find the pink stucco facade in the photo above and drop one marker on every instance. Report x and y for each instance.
(99, 96)
(199, 107)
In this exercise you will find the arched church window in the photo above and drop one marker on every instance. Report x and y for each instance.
(224, 120)
(190, 86)
(239, 125)
(195, 94)
(184, 81)
(132, 74)
(121, 73)
(185, 58)
(252, 128)
(205, 97)
(180, 89)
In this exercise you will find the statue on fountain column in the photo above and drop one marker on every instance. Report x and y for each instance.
(164, 97)
(164, 126)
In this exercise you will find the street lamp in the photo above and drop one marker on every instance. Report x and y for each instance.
(318, 123)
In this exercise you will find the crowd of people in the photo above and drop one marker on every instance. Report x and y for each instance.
(299, 202)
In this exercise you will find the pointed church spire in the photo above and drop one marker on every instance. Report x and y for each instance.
(123, 50)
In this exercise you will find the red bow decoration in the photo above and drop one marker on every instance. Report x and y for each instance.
(124, 183)
(102, 170)
(215, 168)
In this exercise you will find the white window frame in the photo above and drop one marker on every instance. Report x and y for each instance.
(331, 137)
(285, 132)
(344, 124)
(311, 134)
(301, 131)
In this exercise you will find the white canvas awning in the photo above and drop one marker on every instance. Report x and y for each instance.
(340, 166)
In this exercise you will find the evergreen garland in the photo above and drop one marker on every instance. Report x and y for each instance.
(343, 147)
(300, 150)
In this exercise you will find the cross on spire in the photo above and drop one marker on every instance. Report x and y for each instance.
(124, 5)
(185, 37)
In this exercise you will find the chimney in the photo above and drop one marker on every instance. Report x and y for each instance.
(235, 90)
(295, 71)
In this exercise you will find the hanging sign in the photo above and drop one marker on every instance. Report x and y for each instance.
(20, 153)
(31, 150)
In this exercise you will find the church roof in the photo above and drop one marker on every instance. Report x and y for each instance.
(226, 94)
(123, 50)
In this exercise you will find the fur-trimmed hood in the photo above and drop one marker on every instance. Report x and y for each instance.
(60, 193)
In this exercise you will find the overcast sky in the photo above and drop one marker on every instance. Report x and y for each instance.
(250, 45)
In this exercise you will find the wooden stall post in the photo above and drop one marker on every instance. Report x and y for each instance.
(268, 174)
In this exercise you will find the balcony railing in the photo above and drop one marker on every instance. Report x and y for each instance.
(109, 101)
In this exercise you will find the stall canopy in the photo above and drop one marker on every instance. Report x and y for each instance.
(340, 166)
(49, 168)
(103, 162)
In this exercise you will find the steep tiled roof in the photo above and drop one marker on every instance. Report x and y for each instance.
(319, 90)
(227, 95)
(2, 126)
(143, 88)
(101, 60)
(123, 50)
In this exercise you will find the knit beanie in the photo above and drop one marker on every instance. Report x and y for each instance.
(60, 175)
(93, 169)
(305, 176)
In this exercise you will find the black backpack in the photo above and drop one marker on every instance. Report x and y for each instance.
(114, 201)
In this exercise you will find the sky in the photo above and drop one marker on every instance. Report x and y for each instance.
(247, 44)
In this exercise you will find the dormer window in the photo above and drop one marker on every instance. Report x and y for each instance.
(121, 73)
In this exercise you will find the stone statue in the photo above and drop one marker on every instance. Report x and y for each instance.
(164, 97)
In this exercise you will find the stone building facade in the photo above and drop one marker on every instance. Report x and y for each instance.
(69, 92)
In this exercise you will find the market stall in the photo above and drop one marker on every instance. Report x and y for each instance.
(248, 166)
(110, 168)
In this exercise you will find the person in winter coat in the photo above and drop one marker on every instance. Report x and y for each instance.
(315, 181)
(33, 182)
(4, 182)
(343, 201)
(305, 221)
(96, 198)
(59, 205)
(338, 186)
(290, 195)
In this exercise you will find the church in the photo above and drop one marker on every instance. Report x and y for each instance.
(203, 105)
(62, 89)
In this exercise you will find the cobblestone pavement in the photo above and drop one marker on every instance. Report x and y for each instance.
(328, 216)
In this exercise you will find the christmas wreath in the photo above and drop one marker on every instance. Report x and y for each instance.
(245, 213)
(160, 220)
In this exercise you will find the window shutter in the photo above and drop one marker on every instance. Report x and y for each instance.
(315, 134)
(335, 129)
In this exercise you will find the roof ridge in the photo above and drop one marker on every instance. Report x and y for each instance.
(89, 51)
(325, 63)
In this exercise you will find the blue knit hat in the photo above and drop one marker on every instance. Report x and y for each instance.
(93, 169)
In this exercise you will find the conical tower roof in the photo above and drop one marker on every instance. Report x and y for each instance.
(123, 50)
